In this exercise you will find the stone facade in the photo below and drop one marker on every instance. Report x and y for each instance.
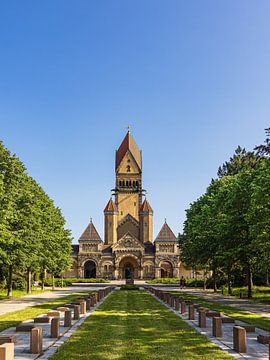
(128, 250)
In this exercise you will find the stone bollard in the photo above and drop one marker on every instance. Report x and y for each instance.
(202, 319)
(67, 318)
(88, 304)
(36, 340)
(183, 307)
(239, 339)
(177, 304)
(76, 315)
(191, 312)
(7, 351)
(83, 307)
(55, 327)
(217, 326)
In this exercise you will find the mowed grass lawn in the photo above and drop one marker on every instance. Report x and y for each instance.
(16, 317)
(134, 325)
(257, 320)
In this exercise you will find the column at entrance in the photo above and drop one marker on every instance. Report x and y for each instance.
(157, 273)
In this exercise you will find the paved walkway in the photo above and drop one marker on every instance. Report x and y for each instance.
(7, 306)
(243, 304)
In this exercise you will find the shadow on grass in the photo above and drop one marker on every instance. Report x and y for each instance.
(16, 317)
(257, 320)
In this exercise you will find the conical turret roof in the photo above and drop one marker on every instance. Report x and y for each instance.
(128, 144)
(110, 207)
(90, 233)
(166, 234)
(145, 207)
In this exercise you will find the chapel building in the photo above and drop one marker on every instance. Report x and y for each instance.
(127, 249)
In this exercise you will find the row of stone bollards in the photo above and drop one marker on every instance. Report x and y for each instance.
(68, 313)
(187, 307)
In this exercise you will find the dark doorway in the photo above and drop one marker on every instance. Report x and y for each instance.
(162, 273)
(90, 270)
(128, 271)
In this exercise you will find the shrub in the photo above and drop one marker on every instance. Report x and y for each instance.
(90, 280)
(164, 281)
(129, 287)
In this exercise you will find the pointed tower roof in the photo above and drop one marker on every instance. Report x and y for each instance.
(166, 234)
(145, 207)
(90, 233)
(128, 144)
(110, 207)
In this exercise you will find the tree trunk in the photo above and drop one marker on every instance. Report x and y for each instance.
(215, 279)
(229, 282)
(29, 281)
(43, 271)
(267, 278)
(53, 285)
(249, 282)
(9, 283)
(62, 282)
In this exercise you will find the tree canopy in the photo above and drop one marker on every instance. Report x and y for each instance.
(32, 229)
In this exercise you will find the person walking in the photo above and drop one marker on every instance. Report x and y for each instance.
(182, 282)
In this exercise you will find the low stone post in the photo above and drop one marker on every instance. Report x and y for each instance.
(67, 318)
(76, 315)
(183, 307)
(177, 304)
(239, 339)
(7, 351)
(36, 340)
(191, 312)
(202, 319)
(55, 327)
(217, 326)
(88, 304)
(83, 307)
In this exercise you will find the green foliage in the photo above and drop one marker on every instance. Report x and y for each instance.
(59, 282)
(89, 280)
(228, 227)
(164, 281)
(32, 233)
(129, 287)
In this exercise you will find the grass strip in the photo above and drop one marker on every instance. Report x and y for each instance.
(132, 325)
(19, 293)
(16, 317)
(257, 320)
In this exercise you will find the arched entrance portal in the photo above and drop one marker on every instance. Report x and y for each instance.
(90, 269)
(166, 269)
(128, 268)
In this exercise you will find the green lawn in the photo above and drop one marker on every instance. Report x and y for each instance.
(19, 293)
(259, 293)
(132, 325)
(262, 322)
(14, 318)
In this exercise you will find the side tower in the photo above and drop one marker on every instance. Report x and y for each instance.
(128, 185)
(110, 223)
(146, 222)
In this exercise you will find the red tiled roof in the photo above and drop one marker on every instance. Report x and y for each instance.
(166, 233)
(90, 233)
(145, 207)
(110, 206)
(128, 144)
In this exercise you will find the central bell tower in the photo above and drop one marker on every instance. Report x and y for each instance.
(128, 214)
(128, 178)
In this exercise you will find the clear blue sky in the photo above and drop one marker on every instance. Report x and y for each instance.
(191, 77)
